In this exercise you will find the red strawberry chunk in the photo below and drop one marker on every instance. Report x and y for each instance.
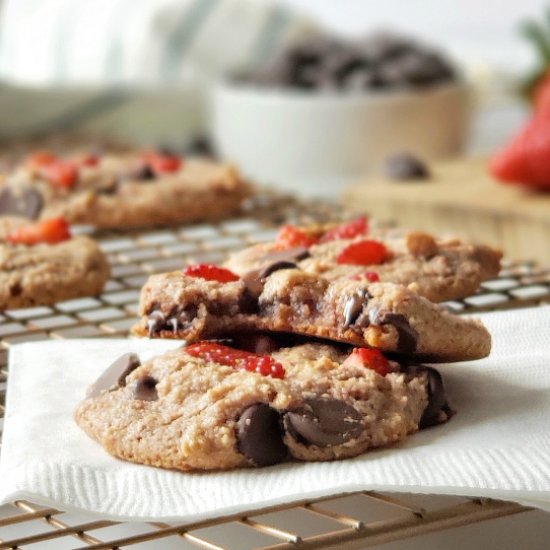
(89, 160)
(162, 163)
(369, 358)
(60, 172)
(238, 359)
(349, 230)
(371, 276)
(41, 158)
(50, 231)
(210, 273)
(524, 161)
(365, 252)
(290, 236)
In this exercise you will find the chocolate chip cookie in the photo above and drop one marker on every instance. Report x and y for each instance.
(133, 189)
(211, 406)
(41, 264)
(439, 269)
(210, 302)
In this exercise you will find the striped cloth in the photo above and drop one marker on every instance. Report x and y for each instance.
(96, 64)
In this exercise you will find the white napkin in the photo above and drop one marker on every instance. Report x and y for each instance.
(498, 445)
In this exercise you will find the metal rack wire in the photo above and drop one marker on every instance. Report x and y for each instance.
(341, 521)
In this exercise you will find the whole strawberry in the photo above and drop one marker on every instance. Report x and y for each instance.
(541, 94)
(526, 159)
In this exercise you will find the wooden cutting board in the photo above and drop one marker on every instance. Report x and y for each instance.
(462, 199)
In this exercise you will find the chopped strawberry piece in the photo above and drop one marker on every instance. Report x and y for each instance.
(238, 359)
(54, 230)
(290, 236)
(210, 273)
(524, 161)
(369, 358)
(371, 276)
(41, 158)
(159, 162)
(60, 172)
(89, 160)
(349, 230)
(363, 253)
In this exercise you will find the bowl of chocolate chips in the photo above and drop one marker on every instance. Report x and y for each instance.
(327, 110)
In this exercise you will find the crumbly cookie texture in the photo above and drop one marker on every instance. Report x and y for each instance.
(186, 412)
(121, 191)
(441, 269)
(386, 316)
(44, 274)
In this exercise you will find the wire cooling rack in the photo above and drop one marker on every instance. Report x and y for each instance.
(349, 521)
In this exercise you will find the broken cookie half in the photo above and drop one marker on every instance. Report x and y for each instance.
(212, 302)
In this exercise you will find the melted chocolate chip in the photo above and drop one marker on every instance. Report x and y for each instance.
(254, 280)
(26, 202)
(354, 307)
(201, 146)
(108, 191)
(260, 435)
(324, 422)
(173, 324)
(437, 400)
(142, 173)
(404, 166)
(145, 389)
(155, 322)
(407, 336)
(115, 375)
(294, 254)
(254, 286)
(276, 266)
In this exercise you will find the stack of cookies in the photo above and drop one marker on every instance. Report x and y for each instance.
(309, 347)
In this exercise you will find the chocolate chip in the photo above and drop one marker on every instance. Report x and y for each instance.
(25, 202)
(145, 389)
(254, 280)
(324, 422)
(294, 254)
(108, 191)
(142, 172)
(328, 63)
(280, 259)
(115, 375)
(260, 435)
(404, 166)
(354, 307)
(201, 147)
(276, 266)
(155, 322)
(407, 336)
(254, 286)
(437, 400)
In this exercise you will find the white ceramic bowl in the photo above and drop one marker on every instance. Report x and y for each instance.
(298, 140)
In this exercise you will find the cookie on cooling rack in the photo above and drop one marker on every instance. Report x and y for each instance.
(122, 190)
(211, 406)
(206, 301)
(440, 269)
(41, 264)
